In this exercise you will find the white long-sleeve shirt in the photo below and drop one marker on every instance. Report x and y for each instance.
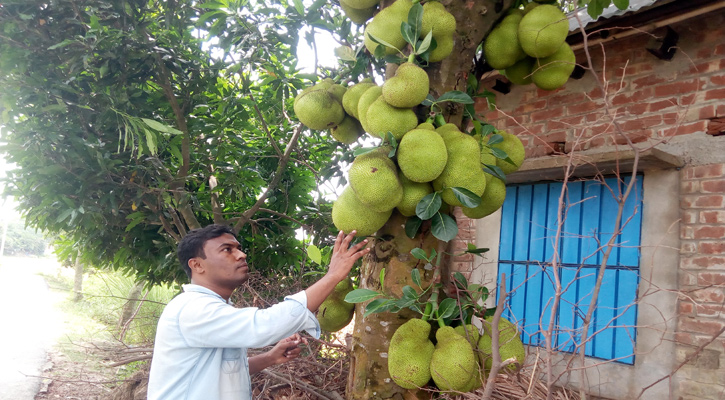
(201, 343)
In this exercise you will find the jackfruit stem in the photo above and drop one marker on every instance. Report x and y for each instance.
(428, 309)
(411, 57)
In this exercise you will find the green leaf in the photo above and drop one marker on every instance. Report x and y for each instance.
(409, 293)
(419, 254)
(495, 138)
(596, 7)
(487, 129)
(408, 34)
(314, 253)
(456, 96)
(345, 53)
(158, 126)
(495, 171)
(299, 7)
(375, 306)
(415, 276)
(621, 4)
(151, 141)
(428, 206)
(444, 227)
(412, 225)
(499, 153)
(460, 280)
(379, 41)
(475, 250)
(361, 295)
(466, 197)
(425, 44)
(382, 277)
(415, 19)
(62, 44)
(429, 100)
(447, 308)
(363, 150)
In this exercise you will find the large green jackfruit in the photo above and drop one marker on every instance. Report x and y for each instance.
(318, 109)
(385, 26)
(543, 30)
(501, 47)
(347, 131)
(463, 168)
(374, 178)
(382, 118)
(351, 99)
(422, 155)
(350, 214)
(358, 15)
(513, 147)
(413, 193)
(492, 199)
(410, 354)
(552, 72)
(453, 362)
(334, 312)
(408, 88)
(509, 344)
(443, 25)
(367, 98)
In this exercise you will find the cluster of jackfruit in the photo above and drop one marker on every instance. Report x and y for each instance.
(320, 107)
(335, 313)
(529, 46)
(455, 363)
(359, 11)
(385, 27)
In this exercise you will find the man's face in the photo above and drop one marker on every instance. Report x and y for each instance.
(225, 263)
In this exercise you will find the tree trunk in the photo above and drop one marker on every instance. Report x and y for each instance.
(369, 378)
(78, 280)
(128, 309)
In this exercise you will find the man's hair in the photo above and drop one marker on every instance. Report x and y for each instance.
(192, 245)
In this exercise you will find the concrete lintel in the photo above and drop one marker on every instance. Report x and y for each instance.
(591, 163)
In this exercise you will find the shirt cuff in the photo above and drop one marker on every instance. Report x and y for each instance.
(311, 326)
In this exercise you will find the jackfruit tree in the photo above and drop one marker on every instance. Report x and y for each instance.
(134, 121)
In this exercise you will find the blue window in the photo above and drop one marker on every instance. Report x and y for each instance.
(527, 243)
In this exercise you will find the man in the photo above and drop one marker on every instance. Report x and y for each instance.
(201, 341)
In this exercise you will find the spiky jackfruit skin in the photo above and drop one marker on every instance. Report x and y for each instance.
(453, 361)
(443, 24)
(335, 313)
(410, 353)
(513, 147)
(422, 155)
(413, 192)
(385, 26)
(367, 98)
(520, 73)
(470, 332)
(382, 118)
(318, 109)
(448, 131)
(552, 72)
(463, 168)
(509, 344)
(361, 4)
(426, 125)
(408, 88)
(492, 199)
(347, 131)
(501, 47)
(351, 99)
(350, 214)
(543, 30)
(374, 179)
(357, 15)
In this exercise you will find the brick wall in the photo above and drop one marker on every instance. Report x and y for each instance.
(677, 101)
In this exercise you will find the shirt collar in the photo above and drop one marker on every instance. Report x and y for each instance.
(190, 287)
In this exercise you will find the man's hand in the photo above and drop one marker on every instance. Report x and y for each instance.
(285, 350)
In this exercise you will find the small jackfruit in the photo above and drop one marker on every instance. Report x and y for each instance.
(382, 118)
(422, 155)
(470, 332)
(410, 354)
(413, 192)
(334, 312)
(350, 214)
(552, 72)
(408, 88)
(492, 199)
(318, 109)
(453, 362)
(374, 179)
(513, 147)
(543, 30)
(351, 99)
(348, 131)
(509, 344)
(501, 47)
(385, 26)
(520, 73)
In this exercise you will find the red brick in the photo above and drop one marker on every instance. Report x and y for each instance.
(709, 262)
(706, 171)
(705, 67)
(712, 217)
(547, 114)
(708, 327)
(529, 107)
(714, 186)
(718, 80)
(686, 307)
(565, 123)
(720, 111)
(709, 232)
(585, 107)
(715, 94)
(687, 232)
(660, 105)
(704, 201)
(710, 310)
(707, 112)
(641, 123)
(711, 279)
(684, 338)
(720, 50)
(689, 187)
(685, 129)
(648, 80)
(634, 136)
(711, 247)
(708, 295)
(675, 88)
(689, 216)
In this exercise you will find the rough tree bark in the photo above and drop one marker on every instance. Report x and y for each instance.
(369, 378)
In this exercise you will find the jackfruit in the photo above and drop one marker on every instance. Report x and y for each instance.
(470, 332)
(385, 26)
(367, 98)
(448, 130)
(443, 24)
(513, 147)
(501, 47)
(552, 72)
(444, 48)
(348, 131)
(509, 344)
(413, 192)
(351, 99)
(543, 30)
(408, 88)
(318, 109)
(410, 354)
(426, 125)
(334, 312)
(361, 4)
(520, 73)
(337, 91)
(422, 155)
(487, 157)
(358, 15)
(463, 168)
(491, 200)
(374, 179)
(382, 118)
(453, 362)
(350, 214)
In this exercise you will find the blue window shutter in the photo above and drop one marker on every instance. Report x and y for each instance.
(528, 234)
